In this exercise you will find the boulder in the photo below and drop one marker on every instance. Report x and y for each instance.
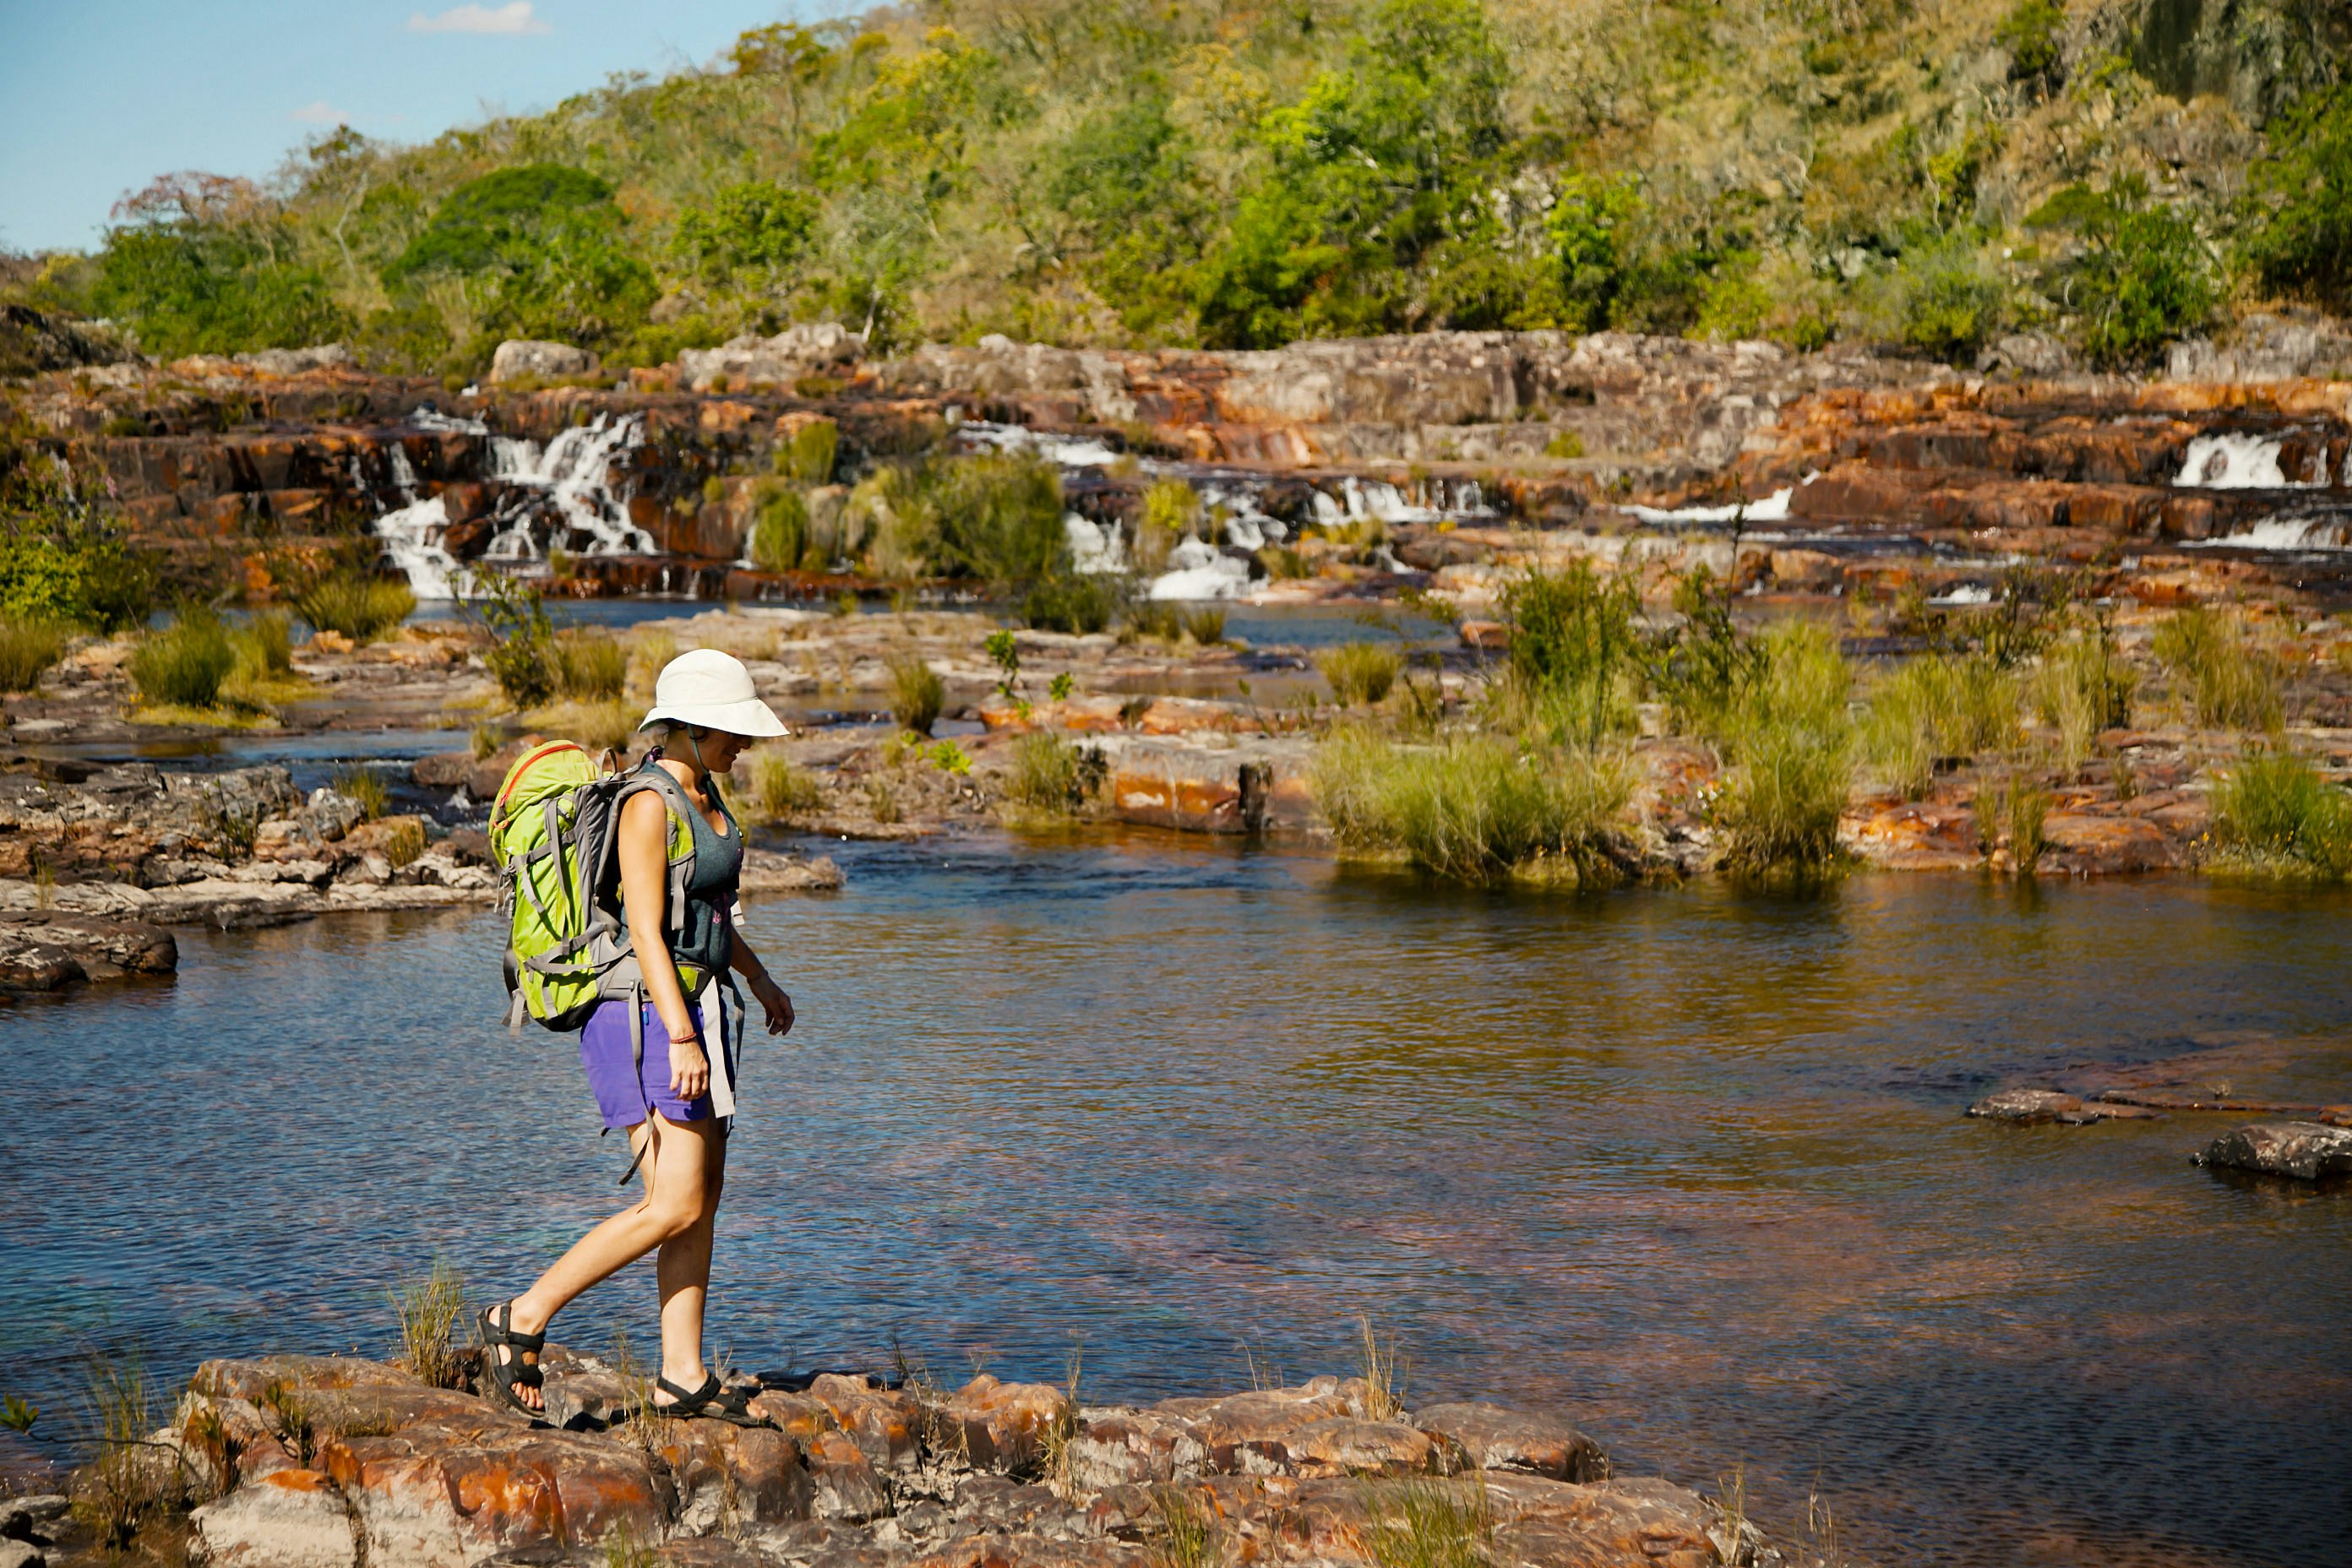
(1493, 1438)
(291, 1518)
(1134, 1448)
(426, 1501)
(1343, 1445)
(806, 350)
(1542, 1523)
(2301, 1151)
(728, 1477)
(519, 359)
(1003, 1426)
(296, 362)
(885, 1423)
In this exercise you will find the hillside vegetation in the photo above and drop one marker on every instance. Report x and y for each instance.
(1185, 171)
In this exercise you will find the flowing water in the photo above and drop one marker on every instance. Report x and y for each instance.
(1688, 1165)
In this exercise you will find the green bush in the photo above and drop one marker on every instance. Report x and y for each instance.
(1471, 808)
(1575, 649)
(2231, 683)
(916, 694)
(362, 608)
(521, 656)
(27, 648)
(2301, 237)
(1050, 774)
(1080, 603)
(997, 520)
(1359, 672)
(2274, 812)
(780, 528)
(1790, 740)
(590, 667)
(184, 665)
(782, 791)
(1951, 302)
(2030, 32)
(1205, 624)
(2145, 275)
(808, 457)
(61, 569)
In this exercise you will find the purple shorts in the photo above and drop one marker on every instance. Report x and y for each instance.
(622, 1094)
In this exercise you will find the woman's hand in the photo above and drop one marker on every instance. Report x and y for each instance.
(689, 1070)
(778, 1006)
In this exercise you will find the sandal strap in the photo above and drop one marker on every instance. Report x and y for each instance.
(507, 1334)
(690, 1402)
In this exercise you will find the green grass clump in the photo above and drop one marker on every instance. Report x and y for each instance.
(366, 786)
(1050, 774)
(1081, 603)
(780, 528)
(781, 791)
(1575, 649)
(1790, 742)
(2083, 687)
(590, 667)
(27, 648)
(184, 664)
(916, 694)
(1430, 1523)
(808, 455)
(1360, 673)
(361, 608)
(428, 1310)
(1936, 707)
(1474, 809)
(1205, 624)
(2230, 683)
(2273, 812)
(265, 645)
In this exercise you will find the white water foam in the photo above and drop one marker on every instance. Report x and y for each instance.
(1063, 451)
(1093, 548)
(574, 471)
(2235, 461)
(1773, 508)
(1202, 570)
(2290, 533)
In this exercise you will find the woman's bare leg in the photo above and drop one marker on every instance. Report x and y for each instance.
(681, 1175)
(685, 1277)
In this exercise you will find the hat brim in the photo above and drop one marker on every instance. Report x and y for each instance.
(751, 718)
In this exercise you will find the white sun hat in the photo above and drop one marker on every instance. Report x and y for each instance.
(713, 689)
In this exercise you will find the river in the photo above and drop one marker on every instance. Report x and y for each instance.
(1688, 1165)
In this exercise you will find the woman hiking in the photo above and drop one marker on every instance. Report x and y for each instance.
(665, 1077)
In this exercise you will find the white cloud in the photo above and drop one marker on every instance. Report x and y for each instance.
(471, 18)
(319, 113)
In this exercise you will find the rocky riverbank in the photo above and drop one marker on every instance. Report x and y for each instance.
(314, 1462)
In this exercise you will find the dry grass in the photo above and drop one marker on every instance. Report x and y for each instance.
(1471, 808)
(1935, 708)
(1429, 1523)
(2228, 682)
(361, 608)
(428, 1310)
(130, 1479)
(590, 667)
(404, 843)
(781, 790)
(1359, 673)
(916, 694)
(2082, 688)
(1191, 1535)
(366, 786)
(1382, 1374)
(27, 648)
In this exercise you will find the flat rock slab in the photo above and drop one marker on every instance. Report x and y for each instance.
(48, 949)
(2031, 1105)
(2300, 1151)
(1492, 1437)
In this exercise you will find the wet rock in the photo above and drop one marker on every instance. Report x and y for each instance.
(291, 1518)
(521, 358)
(2301, 1151)
(44, 950)
(1492, 1437)
(767, 871)
(2033, 1105)
(1558, 1524)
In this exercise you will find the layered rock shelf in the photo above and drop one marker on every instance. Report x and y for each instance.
(316, 1462)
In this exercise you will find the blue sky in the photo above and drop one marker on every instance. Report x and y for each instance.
(97, 96)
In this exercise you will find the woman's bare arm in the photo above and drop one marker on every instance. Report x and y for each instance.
(644, 888)
(771, 997)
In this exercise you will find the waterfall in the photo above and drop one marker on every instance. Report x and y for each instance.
(558, 498)
(2236, 461)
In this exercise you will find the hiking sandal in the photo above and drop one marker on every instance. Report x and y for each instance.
(713, 1399)
(509, 1372)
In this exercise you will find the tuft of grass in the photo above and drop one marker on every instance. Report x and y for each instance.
(366, 786)
(1206, 626)
(1359, 672)
(265, 645)
(1429, 1523)
(2026, 805)
(648, 652)
(916, 694)
(2231, 683)
(483, 741)
(1190, 1535)
(428, 1310)
(405, 842)
(782, 791)
(2083, 687)
(184, 665)
(590, 667)
(1791, 741)
(361, 608)
(27, 648)
(1471, 809)
(608, 725)
(1936, 708)
(2274, 814)
(131, 1480)
(1382, 1373)
(1574, 649)
(1050, 774)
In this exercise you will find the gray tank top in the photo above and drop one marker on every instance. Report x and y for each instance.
(702, 934)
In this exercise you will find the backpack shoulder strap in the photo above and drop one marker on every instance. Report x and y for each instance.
(650, 776)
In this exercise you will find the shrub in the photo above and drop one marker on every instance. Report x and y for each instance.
(427, 1309)
(1934, 708)
(916, 694)
(590, 667)
(2231, 683)
(2274, 812)
(2026, 806)
(2145, 276)
(61, 566)
(994, 519)
(361, 608)
(2030, 32)
(521, 656)
(27, 648)
(1078, 603)
(184, 665)
(1471, 809)
(1050, 774)
(1359, 672)
(781, 791)
(807, 458)
(1205, 624)
(2083, 687)
(1951, 302)
(780, 528)
(265, 645)
(1574, 647)
(2302, 240)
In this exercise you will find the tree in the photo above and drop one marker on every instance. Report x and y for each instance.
(2301, 241)
(544, 246)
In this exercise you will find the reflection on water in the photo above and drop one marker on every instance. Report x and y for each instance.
(1688, 1165)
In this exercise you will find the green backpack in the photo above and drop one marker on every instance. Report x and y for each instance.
(552, 835)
